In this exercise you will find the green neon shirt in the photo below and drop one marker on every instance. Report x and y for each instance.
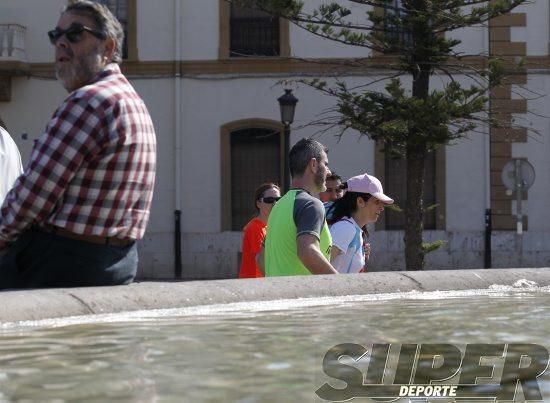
(295, 214)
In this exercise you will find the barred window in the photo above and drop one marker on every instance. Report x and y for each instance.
(255, 159)
(120, 10)
(253, 33)
(396, 33)
(396, 186)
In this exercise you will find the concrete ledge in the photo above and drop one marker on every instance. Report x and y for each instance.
(55, 303)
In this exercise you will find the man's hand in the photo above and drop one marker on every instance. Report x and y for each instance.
(309, 252)
(366, 249)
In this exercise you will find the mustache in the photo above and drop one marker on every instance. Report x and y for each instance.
(64, 53)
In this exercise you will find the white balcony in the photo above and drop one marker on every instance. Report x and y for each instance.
(13, 57)
(12, 43)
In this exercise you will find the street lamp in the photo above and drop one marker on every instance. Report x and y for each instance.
(287, 103)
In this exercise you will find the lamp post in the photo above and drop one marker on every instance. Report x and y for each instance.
(287, 103)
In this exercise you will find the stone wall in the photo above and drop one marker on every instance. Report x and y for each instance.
(217, 255)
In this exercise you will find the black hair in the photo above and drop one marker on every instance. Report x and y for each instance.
(334, 177)
(302, 152)
(346, 206)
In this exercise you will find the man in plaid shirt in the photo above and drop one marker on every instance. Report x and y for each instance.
(73, 217)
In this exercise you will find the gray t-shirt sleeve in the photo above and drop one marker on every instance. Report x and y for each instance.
(309, 215)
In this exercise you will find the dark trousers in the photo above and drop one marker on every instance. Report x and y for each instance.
(42, 260)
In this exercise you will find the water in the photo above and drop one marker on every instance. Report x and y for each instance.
(253, 352)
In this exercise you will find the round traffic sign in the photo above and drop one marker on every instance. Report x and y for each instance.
(526, 174)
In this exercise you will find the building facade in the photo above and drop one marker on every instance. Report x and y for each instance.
(211, 74)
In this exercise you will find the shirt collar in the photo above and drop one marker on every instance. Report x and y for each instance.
(108, 70)
(353, 222)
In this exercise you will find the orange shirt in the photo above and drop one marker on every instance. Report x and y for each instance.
(254, 234)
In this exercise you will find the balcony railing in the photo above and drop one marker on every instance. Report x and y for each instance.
(12, 43)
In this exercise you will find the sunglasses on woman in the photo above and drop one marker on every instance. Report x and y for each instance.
(270, 200)
(74, 33)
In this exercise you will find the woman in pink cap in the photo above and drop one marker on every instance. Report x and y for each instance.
(362, 203)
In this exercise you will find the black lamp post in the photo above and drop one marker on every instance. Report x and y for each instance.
(287, 104)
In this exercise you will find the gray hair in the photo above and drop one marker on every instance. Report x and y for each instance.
(302, 152)
(104, 20)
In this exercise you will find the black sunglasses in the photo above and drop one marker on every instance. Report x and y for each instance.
(74, 33)
(270, 200)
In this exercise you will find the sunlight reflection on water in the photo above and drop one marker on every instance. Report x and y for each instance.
(248, 352)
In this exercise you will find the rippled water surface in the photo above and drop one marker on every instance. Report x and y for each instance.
(260, 352)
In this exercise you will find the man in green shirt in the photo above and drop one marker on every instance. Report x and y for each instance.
(298, 240)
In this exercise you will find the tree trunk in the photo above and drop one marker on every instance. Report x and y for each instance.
(414, 209)
(416, 155)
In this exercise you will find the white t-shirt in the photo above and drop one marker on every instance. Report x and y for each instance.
(10, 163)
(348, 237)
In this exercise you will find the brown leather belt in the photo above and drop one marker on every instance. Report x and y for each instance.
(99, 240)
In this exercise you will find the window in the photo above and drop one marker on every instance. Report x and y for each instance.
(392, 174)
(251, 155)
(253, 33)
(396, 186)
(125, 11)
(246, 33)
(254, 160)
(395, 32)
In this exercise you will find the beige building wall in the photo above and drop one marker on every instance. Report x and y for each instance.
(214, 91)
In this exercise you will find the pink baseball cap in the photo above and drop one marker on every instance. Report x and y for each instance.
(368, 184)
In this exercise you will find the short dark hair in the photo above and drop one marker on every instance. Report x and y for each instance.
(302, 152)
(104, 20)
(334, 177)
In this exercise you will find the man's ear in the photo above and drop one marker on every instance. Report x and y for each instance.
(109, 46)
(314, 165)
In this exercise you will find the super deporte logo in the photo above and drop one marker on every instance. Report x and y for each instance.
(483, 372)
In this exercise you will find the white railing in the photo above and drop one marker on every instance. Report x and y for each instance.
(12, 42)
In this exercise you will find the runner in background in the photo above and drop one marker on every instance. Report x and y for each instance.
(334, 189)
(362, 203)
(265, 196)
(298, 239)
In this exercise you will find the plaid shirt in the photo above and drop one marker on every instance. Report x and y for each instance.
(92, 172)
